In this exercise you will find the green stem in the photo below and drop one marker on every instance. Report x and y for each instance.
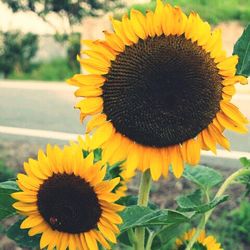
(197, 233)
(145, 185)
(225, 185)
(220, 192)
(150, 240)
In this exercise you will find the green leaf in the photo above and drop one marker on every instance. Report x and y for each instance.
(204, 177)
(191, 200)
(242, 49)
(6, 201)
(191, 203)
(131, 200)
(97, 154)
(21, 237)
(245, 162)
(164, 239)
(137, 216)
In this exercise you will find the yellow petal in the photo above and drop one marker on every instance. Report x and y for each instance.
(29, 182)
(90, 105)
(229, 90)
(167, 20)
(214, 131)
(193, 152)
(102, 134)
(97, 56)
(128, 29)
(114, 41)
(31, 221)
(72, 242)
(107, 233)
(93, 66)
(28, 197)
(230, 124)
(138, 23)
(209, 140)
(95, 121)
(157, 19)
(38, 229)
(83, 80)
(46, 238)
(228, 63)
(101, 47)
(234, 79)
(233, 112)
(101, 239)
(176, 160)
(111, 146)
(120, 32)
(155, 164)
(91, 240)
(166, 162)
(150, 23)
(88, 91)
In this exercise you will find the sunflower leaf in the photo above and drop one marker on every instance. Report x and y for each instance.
(245, 162)
(131, 200)
(242, 49)
(21, 237)
(202, 176)
(193, 203)
(137, 216)
(6, 209)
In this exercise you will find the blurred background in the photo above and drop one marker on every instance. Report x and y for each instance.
(39, 41)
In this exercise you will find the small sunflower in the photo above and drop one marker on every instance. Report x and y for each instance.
(116, 169)
(203, 242)
(67, 201)
(159, 90)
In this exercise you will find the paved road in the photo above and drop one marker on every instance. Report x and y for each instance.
(49, 107)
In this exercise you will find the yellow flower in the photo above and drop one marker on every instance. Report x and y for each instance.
(159, 90)
(118, 167)
(207, 242)
(67, 200)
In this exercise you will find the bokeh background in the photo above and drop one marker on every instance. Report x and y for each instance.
(39, 41)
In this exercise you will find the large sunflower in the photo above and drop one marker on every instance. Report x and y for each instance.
(67, 201)
(203, 242)
(159, 90)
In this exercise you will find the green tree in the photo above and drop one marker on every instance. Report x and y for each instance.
(17, 51)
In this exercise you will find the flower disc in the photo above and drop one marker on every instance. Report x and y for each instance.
(166, 88)
(64, 211)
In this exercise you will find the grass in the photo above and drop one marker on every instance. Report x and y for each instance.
(213, 11)
(54, 70)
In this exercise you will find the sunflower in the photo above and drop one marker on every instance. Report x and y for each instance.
(159, 90)
(116, 169)
(203, 242)
(67, 201)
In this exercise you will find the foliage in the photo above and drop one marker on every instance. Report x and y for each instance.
(6, 209)
(21, 236)
(242, 49)
(5, 173)
(233, 228)
(17, 51)
(211, 10)
(54, 70)
(73, 11)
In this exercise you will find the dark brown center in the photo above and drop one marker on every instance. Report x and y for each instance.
(162, 91)
(68, 204)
